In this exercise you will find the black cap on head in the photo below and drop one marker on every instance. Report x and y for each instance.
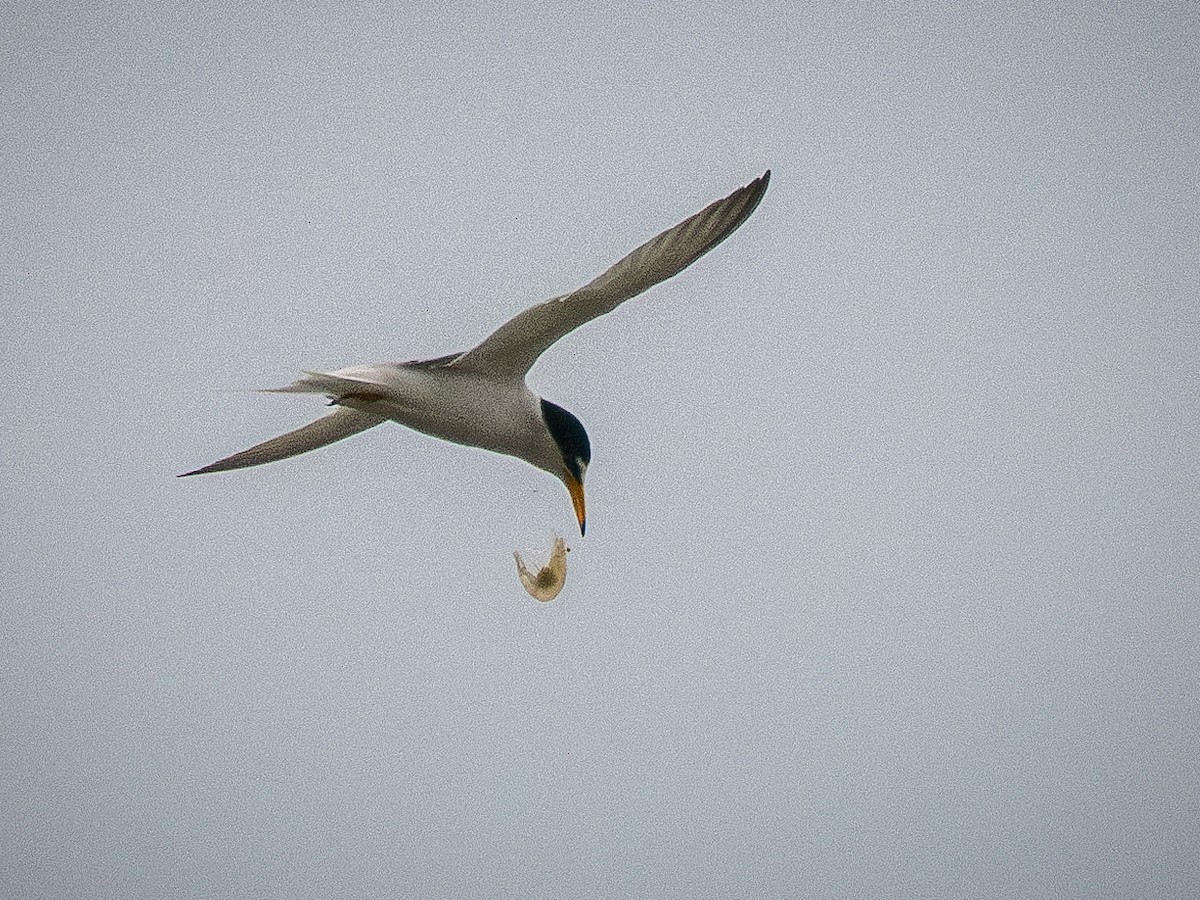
(568, 432)
(572, 440)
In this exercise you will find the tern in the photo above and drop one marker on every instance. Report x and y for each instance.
(479, 398)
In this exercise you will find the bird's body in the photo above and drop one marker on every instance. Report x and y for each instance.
(479, 397)
(453, 403)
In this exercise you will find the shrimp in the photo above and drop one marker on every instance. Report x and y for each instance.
(549, 580)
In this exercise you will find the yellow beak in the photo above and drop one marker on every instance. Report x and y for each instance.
(575, 486)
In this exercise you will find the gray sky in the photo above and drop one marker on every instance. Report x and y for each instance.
(889, 584)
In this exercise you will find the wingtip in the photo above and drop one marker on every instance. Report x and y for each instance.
(752, 194)
(205, 470)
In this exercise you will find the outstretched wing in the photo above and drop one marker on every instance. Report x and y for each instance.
(515, 346)
(337, 425)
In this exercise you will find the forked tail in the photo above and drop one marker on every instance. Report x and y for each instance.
(332, 385)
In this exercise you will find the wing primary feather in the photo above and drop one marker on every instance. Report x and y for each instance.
(340, 424)
(514, 347)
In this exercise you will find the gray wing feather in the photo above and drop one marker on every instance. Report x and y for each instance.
(340, 424)
(515, 346)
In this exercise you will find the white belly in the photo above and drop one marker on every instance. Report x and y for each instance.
(503, 416)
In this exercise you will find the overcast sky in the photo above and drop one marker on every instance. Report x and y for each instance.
(889, 587)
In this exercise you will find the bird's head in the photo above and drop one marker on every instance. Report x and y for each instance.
(572, 441)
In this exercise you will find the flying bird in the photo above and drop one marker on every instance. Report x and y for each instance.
(479, 398)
